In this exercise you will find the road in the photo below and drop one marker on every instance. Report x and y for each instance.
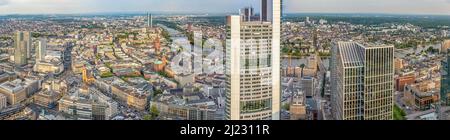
(415, 115)
(400, 103)
(319, 85)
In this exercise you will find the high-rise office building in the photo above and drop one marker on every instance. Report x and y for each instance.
(22, 44)
(247, 13)
(267, 10)
(149, 20)
(263, 12)
(283, 14)
(41, 49)
(445, 80)
(27, 38)
(362, 81)
(253, 67)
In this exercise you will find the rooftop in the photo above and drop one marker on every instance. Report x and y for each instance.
(13, 86)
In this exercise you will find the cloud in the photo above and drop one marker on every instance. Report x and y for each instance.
(4, 2)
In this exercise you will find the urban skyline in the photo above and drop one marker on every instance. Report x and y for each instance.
(255, 63)
(421, 7)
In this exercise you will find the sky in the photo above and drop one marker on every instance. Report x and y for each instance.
(438, 7)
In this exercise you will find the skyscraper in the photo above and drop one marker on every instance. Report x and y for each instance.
(247, 13)
(22, 44)
(149, 20)
(445, 80)
(41, 50)
(267, 10)
(253, 67)
(362, 81)
(263, 12)
(27, 38)
(283, 14)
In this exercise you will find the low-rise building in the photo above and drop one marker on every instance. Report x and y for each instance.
(87, 104)
(398, 64)
(77, 66)
(3, 101)
(178, 105)
(4, 77)
(422, 95)
(136, 95)
(402, 81)
(15, 91)
(51, 63)
(49, 67)
(308, 86)
(298, 107)
(130, 97)
(46, 98)
(445, 46)
(184, 79)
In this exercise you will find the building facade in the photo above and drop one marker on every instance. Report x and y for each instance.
(445, 80)
(22, 44)
(445, 46)
(308, 86)
(362, 81)
(402, 81)
(253, 66)
(420, 98)
(15, 91)
(3, 101)
(55, 67)
(88, 104)
(184, 112)
(297, 108)
(41, 50)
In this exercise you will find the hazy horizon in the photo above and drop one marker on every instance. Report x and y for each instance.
(403, 7)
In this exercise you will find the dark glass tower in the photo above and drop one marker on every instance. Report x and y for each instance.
(445, 83)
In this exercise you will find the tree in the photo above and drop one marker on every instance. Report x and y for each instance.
(303, 67)
(399, 114)
(287, 107)
(197, 89)
(154, 113)
(157, 92)
(147, 117)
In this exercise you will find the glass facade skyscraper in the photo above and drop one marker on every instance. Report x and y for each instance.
(22, 44)
(362, 81)
(253, 66)
(445, 80)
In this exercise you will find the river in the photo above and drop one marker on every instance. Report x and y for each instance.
(179, 39)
